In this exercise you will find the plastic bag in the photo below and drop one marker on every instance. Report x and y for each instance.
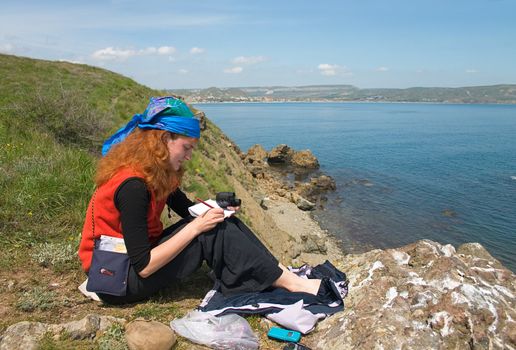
(223, 332)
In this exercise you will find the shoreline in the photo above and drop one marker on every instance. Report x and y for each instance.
(358, 102)
(300, 224)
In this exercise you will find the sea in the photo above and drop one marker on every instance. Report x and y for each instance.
(404, 171)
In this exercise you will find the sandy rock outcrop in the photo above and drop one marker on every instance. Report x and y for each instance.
(316, 188)
(281, 154)
(304, 159)
(424, 296)
(256, 155)
(256, 161)
(276, 169)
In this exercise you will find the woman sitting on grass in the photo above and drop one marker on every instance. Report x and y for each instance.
(139, 174)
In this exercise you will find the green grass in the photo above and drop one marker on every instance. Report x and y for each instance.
(53, 119)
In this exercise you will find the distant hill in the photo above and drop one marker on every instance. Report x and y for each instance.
(337, 93)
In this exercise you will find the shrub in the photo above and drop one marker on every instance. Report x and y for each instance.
(37, 299)
(57, 255)
(113, 338)
(63, 113)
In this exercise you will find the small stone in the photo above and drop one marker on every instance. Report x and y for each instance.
(305, 204)
(149, 335)
(82, 329)
(23, 335)
(449, 213)
(10, 285)
(263, 203)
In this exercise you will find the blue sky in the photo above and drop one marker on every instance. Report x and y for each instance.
(226, 43)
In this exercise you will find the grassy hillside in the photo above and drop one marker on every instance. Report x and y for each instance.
(54, 117)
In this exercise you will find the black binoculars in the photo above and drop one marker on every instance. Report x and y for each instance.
(227, 199)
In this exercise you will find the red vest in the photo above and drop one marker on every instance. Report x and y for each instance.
(107, 216)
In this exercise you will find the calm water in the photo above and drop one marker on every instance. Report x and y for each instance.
(403, 171)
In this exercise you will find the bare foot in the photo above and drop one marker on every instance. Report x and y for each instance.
(292, 282)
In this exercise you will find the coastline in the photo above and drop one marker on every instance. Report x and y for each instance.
(355, 102)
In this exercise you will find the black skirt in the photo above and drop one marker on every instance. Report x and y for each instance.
(240, 262)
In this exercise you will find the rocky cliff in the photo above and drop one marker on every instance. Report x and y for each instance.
(424, 296)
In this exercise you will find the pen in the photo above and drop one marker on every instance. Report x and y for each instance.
(203, 202)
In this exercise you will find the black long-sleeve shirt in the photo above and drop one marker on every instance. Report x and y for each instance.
(132, 200)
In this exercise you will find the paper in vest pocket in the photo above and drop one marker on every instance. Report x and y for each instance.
(112, 244)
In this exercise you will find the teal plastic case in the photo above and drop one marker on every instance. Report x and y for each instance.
(284, 334)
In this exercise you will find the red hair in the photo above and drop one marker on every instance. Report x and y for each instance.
(145, 152)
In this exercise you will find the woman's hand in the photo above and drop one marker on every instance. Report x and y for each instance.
(235, 209)
(208, 220)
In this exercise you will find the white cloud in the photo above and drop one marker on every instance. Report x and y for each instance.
(69, 61)
(166, 50)
(147, 51)
(183, 71)
(382, 69)
(333, 70)
(233, 70)
(196, 50)
(248, 59)
(328, 69)
(6, 48)
(471, 71)
(111, 53)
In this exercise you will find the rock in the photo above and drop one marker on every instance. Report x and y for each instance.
(324, 183)
(449, 213)
(85, 328)
(281, 192)
(263, 202)
(255, 161)
(257, 171)
(23, 335)
(475, 250)
(304, 204)
(256, 154)
(313, 244)
(10, 285)
(26, 335)
(280, 154)
(316, 188)
(202, 119)
(423, 296)
(149, 335)
(305, 159)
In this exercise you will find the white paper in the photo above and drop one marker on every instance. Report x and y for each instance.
(112, 244)
(201, 208)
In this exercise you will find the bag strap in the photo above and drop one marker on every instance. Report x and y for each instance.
(92, 217)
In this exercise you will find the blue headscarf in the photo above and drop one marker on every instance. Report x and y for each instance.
(163, 113)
